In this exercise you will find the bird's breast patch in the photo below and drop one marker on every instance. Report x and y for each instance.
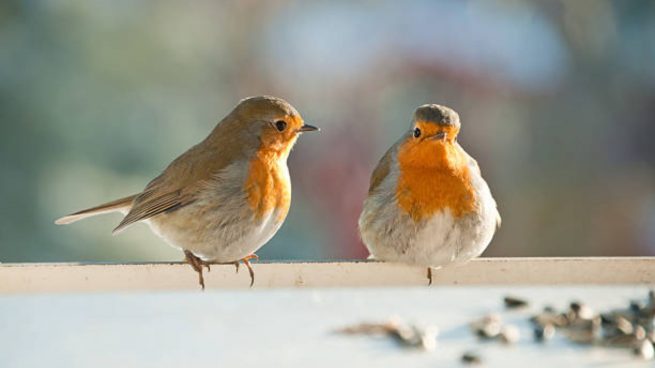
(268, 188)
(442, 181)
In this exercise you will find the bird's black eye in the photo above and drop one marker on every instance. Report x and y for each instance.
(280, 125)
(417, 132)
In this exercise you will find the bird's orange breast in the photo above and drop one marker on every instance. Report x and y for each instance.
(267, 186)
(434, 177)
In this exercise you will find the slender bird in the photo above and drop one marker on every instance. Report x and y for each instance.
(225, 197)
(427, 203)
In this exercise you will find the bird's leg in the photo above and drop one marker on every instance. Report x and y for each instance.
(430, 272)
(197, 264)
(250, 270)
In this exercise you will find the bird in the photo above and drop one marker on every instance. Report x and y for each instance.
(225, 197)
(427, 203)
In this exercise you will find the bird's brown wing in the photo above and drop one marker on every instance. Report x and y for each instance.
(382, 169)
(145, 209)
(473, 164)
(184, 178)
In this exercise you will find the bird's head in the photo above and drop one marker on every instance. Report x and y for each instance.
(272, 123)
(433, 131)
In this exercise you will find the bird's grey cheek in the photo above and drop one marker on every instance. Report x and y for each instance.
(259, 128)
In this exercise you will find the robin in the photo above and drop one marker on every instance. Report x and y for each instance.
(225, 197)
(427, 203)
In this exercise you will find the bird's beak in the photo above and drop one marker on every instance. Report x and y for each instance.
(308, 128)
(440, 136)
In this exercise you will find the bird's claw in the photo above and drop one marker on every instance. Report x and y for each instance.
(251, 271)
(197, 264)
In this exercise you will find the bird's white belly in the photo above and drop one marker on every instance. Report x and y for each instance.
(254, 239)
(442, 240)
(438, 241)
(220, 243)
(447, 240)
(220, 226)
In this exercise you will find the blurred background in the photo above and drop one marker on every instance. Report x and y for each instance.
(557, 100)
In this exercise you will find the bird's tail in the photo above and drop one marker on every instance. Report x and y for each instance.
(123, 204)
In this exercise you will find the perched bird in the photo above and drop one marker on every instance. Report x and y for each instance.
(427, 203)
(225, 197)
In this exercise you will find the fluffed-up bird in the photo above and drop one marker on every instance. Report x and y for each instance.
(427, 203)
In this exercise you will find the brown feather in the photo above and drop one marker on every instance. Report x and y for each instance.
(113, 206)
(165, 203)
(382, 169)
(187, 175)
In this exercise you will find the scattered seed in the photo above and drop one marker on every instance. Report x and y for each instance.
(510, 334)
(471, 358)
(581, 336)
(488, 327)
(623, 325)
(549, 309)
(607, 319)
(544, 333)
(636, 306)
(406, 335)
(622, 341)
(555, 319)
(580, 311)
(514, 302)
(639, 332)
(632, 327)
(367, 329)
(645, 350)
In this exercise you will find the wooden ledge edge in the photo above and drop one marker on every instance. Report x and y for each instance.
(103, 277)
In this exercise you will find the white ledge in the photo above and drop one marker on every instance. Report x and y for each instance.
(76, 277)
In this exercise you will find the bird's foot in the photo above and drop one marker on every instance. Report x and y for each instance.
(430, 272)
(197, 264)
(250, 269)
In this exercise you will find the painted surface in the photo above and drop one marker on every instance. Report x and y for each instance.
(283, 327)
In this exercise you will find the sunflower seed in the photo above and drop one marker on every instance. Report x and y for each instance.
(645, 350)
(487, 327)
(509, 334)
(471, 358)
(514, 302)
(544, 333)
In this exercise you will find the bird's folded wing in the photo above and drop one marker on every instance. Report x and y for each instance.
(181, 181)
(147, 205)
(473, 164)
(382, 169)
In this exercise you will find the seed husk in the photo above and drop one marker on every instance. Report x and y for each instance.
(512, 302)
(623, 325)
(578, 310)
(639, 332)
(544, 333)
(552, 318)
(405, 335)
(471, 358)
(488, 327)
(622, 341)
(645, 350)
(510, 334)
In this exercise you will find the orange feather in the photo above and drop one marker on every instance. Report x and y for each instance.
(434, 175)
